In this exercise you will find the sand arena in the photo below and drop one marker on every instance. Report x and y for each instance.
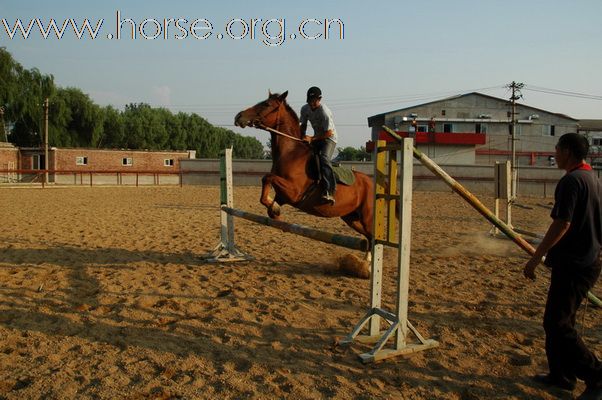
(103, 295)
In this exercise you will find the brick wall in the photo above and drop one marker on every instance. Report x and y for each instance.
(112, 160)
(9, 155)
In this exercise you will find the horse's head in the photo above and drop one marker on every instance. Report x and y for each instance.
(268, 113)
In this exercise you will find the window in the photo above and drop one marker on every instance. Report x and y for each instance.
(443, 113)
(480, 128)
(81, 160)
(168, 162)
(549, 130)
(448, 128)
(596, 141)
(127, 161)
(422, 128)
(36, 161)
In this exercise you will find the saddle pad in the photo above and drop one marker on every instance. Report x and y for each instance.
(344, 175)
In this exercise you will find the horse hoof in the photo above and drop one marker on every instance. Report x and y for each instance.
(275, 210)
(274, 216)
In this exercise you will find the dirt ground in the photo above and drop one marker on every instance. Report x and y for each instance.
(103, 295)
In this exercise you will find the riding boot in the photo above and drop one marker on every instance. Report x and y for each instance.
(324, 150)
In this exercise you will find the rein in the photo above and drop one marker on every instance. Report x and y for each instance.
(277, 132)
(267, 128)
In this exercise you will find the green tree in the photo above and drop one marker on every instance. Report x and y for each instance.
(353, 154)
(76, 121)
(22, 95)
(144, 127)
(113, 132)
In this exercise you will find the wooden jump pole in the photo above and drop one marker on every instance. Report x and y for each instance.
(226, 251)
(476, 204)
(350, 242)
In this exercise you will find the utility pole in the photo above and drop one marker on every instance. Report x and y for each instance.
(2, 122)
(46, 163)
(516, 94)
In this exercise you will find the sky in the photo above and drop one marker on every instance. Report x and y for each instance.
(393, 54)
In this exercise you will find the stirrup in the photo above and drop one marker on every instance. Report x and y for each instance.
(329, 198)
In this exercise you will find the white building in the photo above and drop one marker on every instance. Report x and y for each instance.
(475, 128)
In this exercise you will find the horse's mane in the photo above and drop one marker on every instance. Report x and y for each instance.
(289, 109)
(292, 112)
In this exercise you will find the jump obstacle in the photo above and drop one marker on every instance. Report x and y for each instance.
(384, 234)
(389, 231)
(226, 250)
(502, 183)
(478, 206)
(385, 231)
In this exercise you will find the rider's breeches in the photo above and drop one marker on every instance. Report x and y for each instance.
(324, 149)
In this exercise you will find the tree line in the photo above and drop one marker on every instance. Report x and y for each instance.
(353, 154)
(76, 121)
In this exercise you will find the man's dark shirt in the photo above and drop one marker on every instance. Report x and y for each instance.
(577, 200)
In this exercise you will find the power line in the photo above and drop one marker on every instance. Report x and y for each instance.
(353, 101)
(565, 93)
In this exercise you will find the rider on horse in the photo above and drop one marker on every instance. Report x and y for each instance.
(324, 140)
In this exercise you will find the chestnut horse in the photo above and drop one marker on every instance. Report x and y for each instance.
(290, 179)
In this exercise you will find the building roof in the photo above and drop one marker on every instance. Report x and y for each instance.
(376, 117)
(53, 148)
(590, 124)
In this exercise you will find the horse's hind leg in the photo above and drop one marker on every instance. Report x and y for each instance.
(354, 222)
(357, 223)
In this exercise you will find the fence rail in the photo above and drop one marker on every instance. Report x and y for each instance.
(81, 177)
(476, 177)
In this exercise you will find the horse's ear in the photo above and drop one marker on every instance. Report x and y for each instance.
(283, 96)
(269, 93)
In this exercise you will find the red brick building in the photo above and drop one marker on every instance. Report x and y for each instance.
(9, 160)
(104, 165)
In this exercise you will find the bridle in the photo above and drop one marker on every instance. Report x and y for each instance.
(257, 123)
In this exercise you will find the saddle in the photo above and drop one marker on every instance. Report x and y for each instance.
(313, 194)
(343, 175)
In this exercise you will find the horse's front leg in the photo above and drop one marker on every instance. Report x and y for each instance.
(284, 190)
(265, 199)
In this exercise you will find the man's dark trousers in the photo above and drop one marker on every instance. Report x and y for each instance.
(324, 149)
(568, 357)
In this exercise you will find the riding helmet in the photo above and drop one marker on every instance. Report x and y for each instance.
(313, 92)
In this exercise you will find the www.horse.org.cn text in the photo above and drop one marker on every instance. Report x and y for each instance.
(271, 32)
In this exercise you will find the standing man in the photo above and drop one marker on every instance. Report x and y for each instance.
(324, 140)
(572, 244)
(432, 125)
(413, 127)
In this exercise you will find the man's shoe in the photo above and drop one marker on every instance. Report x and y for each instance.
(591, 393)
(560, 383)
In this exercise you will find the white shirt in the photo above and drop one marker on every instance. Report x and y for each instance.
(321, 120)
